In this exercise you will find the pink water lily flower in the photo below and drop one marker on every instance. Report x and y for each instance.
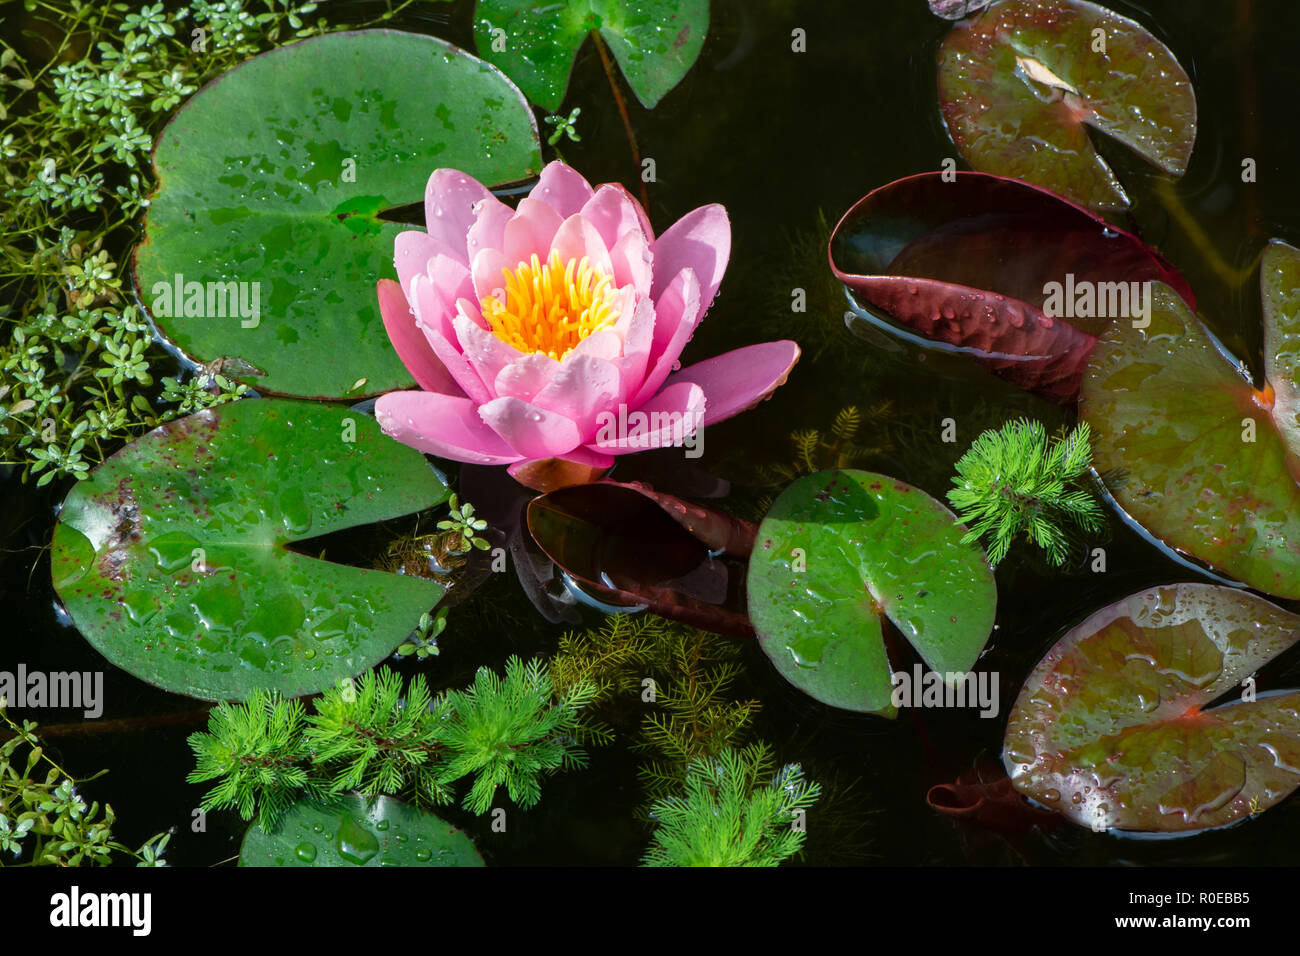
(530, 330)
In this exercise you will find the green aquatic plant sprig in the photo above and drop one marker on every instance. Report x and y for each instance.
(1016, 480)
(45, 822)
(728, 814)
(374, 735)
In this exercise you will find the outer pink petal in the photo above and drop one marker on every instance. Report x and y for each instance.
(530, 231)
(636, 349)
(527, 376)
(615, 213)
(431, 320)
(486, 353)
(445, 425)
(700, 240)
(739, 379)
(489, 229)
(581, 387)
(562, 188)
(682, 407)
(577, 238)
(411, 345)
(452, 281)
(531, 431)
(677, 315)
(414, 251)
(449, 202)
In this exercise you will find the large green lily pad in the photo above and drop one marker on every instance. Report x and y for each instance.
(1020, 83)
(1109, 728)
(277, 172)
(842, 550)
(1196, 454)
(172, 558)
(655, 42)
(353, 831)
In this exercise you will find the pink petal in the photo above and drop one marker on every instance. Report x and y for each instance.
(531, 431)
(444, 425)
(411, 345)
(632, 262)
(700, 240)
(488, 267)
(677, 316)
(581, 387)
(636, 349)
(603, 343)
(489, 229)
(530, 231)
(562, 188)
(527, 376)
(486, 353)
(449, 207)
(413, 251)
(615, 213)
(452, 280)
(666, 421)
(431, 320)
(577, 238)
(739, 379)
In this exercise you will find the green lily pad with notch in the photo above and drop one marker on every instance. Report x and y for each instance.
(278, 172)
(655, 42)
(1021, 82)
(1192, 451)
(354, 831)
(172, 557)
(1111, 728)
(840, 551)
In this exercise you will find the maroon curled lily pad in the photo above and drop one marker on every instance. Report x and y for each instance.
(1020, 84)
(839, 553)
(967, 261)
(631, 546)
(1112, 727)
(173, 557)
(1197, 456)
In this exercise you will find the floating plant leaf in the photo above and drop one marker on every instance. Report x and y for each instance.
(967, 261)
(353, 831)
(1109, 728)
(631, 546)
(274, 178)
(842, 550)
(655, 42)
(1020, 83)
(1201, 459)
(172, 557)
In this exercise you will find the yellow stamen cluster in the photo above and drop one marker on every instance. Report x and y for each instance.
(551, 308)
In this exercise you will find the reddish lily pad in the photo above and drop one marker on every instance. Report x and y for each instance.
(1199, 457)
(967, 260)
(838, 553)
(172, 557)
(1110, 729)
(632, 546)
(1020, 84)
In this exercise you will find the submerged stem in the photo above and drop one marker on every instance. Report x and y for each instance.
(608, 64)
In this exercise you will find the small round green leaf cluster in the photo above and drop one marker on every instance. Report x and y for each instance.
(80, 103)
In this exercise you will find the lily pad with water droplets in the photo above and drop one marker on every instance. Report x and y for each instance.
(1111, 728)
(172, 557)
(841, 551)
(353, 831)
(1021, 82)
(655, 42)
(273, 180)
(1194, 453)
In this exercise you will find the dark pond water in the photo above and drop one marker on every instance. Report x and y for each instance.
(787, 141)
